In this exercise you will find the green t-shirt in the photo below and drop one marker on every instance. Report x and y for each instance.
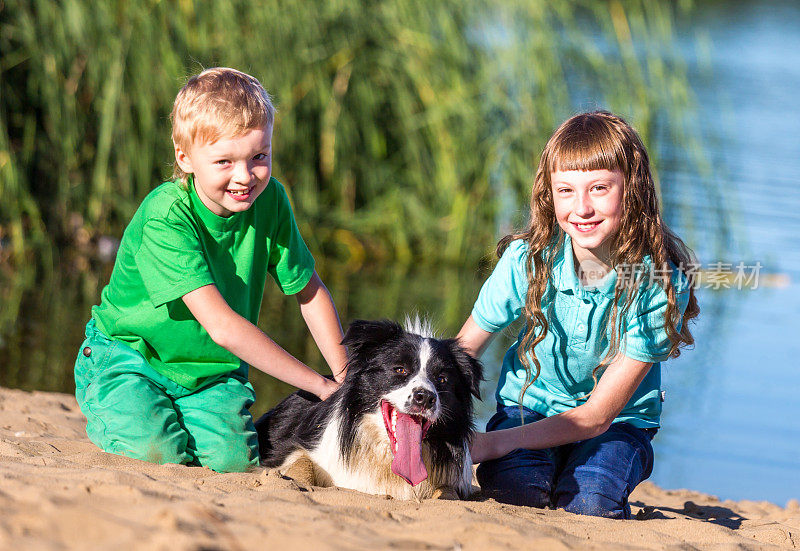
(174, 245)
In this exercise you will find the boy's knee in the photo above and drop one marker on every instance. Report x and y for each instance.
(152, 443)
(224, 447)
(229, 463)
(230, 457)
(141, 429)
(155, 449)
(222, 435)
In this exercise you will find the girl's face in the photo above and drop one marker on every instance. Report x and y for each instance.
(588, 207)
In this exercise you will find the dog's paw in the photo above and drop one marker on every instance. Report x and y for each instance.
(302, 472)
(445, 492)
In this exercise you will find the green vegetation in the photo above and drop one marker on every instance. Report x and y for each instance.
(407, 132)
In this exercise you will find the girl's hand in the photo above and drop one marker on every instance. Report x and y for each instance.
(592, 418)
(483, 447)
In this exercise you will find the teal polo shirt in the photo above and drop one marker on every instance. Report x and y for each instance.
(577, 339)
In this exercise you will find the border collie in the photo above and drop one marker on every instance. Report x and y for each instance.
(400, 424)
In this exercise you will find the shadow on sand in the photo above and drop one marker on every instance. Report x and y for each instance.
(714, 514)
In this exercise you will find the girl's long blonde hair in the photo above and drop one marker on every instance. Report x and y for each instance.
(595, 141)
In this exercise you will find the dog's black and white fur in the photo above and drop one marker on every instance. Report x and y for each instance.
(395, 377)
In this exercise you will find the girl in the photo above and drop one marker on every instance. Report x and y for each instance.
(601, 282)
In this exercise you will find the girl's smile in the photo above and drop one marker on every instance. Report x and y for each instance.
(586, 227)
(588, 207)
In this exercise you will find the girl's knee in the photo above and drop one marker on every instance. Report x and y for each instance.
(529, 496)
(508, 482)
(594, 494)
(593, 503)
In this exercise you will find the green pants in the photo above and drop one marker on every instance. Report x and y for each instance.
(133, 410)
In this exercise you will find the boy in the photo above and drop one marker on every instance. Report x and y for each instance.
(162, 375)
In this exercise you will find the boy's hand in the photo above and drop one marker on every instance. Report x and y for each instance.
(339, 377)
(319, 313)
(328, 388)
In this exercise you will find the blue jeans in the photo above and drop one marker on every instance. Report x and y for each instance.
(589, 477)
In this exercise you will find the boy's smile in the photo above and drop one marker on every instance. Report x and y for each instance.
(588, 207)
(230, 173)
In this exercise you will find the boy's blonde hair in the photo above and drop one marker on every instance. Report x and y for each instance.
(218, 103)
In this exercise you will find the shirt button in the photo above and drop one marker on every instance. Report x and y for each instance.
(87, 351)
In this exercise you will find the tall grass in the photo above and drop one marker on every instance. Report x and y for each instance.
(394, 116)
(408, 130)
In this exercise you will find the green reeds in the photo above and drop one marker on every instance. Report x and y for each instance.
(407, 130)
(393, 116)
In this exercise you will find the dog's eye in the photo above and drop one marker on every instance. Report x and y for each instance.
(442, 378)
(400, 370)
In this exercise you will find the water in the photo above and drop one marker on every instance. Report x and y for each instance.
(730, 422)
(732, 417)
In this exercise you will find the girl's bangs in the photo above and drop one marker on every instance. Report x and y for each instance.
(585, 150)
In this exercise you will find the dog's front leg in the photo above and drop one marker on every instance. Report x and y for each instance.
(305, 472)
(445, 492)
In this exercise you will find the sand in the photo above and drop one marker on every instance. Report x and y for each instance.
(58, 491)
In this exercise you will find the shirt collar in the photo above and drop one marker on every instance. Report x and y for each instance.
(211, 220)
(565, 277)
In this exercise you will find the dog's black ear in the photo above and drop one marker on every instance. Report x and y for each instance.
(365, 337)
(471, 368)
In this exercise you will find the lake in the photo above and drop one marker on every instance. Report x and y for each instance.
(732, 416)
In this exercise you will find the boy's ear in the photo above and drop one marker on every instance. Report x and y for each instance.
(183, 159)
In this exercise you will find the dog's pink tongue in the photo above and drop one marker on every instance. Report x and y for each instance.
(407, 461)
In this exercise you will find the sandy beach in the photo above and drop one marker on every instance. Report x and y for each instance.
(58, 491)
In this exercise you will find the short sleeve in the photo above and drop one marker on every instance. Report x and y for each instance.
(291, 264)
(502, 297)
(170, 260)
(646, 337)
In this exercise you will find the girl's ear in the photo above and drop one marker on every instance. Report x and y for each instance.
(183, 159)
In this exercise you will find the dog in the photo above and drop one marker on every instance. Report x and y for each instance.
(400, 424)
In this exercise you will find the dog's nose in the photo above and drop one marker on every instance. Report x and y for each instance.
(423, 398)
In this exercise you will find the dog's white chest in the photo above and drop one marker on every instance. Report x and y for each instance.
(368, 468)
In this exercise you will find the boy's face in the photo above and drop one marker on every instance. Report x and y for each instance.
(230, 173)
